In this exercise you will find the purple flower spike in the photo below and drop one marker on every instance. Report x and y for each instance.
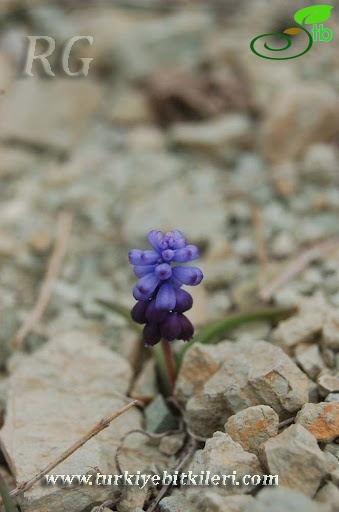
(187, 329)
(151, 334)
(163, 271)
(171, 328)
(142, 270)
(161, 301)
(137, 257)
(145, 287)
(188, 275)
(138, 312)
(184, 301)
(166, 299)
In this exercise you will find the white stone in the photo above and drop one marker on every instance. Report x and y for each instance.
(54, 397)
(48, 113)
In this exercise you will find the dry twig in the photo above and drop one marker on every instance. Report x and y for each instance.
(286, 423)
(296, 266)
(103, 423)
(62, 235)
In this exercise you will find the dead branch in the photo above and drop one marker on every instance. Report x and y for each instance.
(102, 424)
(296, 266)
(63, 231)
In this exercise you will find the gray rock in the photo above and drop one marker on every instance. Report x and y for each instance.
(199, 364)
(332, 397)
(145, 387)
(144, 138)
(309, 359)
(7, 71)
(329, 358)
(253, 426)
(158, 417)
(283, 499)
(175, 39)
(283, 245)
(130, 106)
(332, 463)
(304, 326)
(330, 338)
(321, 420)
(335, 476)
(220, 272)
(107, 27)
(61, 123)
(251, 331)
(285, 178)
(133, 498)
(328, 495)
(294, 455)
(328, 383)
(227, 133)
(170, 445)
(10, 324)
(332, 448)
(222, 456)
(244, 380)
(14, 161)
(177, 502)
(244, 248)
(189, 212)
(54, 397)
(131, 348)
(214, 502)
(290, 115)
(319, 164)
(51, 20)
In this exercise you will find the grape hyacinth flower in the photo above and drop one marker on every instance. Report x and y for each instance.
(161, 300)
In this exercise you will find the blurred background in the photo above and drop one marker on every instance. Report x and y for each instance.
(177, 125)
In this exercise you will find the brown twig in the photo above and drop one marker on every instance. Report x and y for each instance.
(286, 423)
(103, 423)
(63, 231)
(296, 266)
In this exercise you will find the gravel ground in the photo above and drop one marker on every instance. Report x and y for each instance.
(178, 125)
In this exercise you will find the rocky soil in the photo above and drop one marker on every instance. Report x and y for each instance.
(177, 126)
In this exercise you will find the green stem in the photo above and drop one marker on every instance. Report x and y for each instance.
(212, 332)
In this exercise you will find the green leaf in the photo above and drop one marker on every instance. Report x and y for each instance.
(313, 14)
(120, 310)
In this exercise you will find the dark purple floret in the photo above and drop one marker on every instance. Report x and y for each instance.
(187, 329)
(138, 313)
(171, 328)
(151, 334)
(161, 301)
(153, 314)
(184, 301)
